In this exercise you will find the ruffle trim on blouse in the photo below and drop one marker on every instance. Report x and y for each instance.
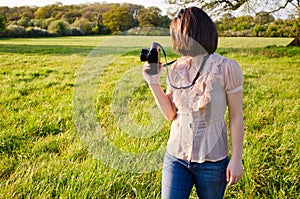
(200, 92)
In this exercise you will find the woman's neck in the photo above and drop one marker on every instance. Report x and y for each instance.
(197, 60)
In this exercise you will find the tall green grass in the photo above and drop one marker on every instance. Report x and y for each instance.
(41, 155)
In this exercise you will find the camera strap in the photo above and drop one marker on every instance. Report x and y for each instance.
(200, 69)
(196, 77)
(169, 63)
(168, 74)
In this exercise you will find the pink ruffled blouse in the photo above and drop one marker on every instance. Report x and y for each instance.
(199, 132)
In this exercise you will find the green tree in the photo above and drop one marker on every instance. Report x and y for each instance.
(272, 31)
(2, 24)
(43, 13)
(40, 23)
(24, 21)
(165, 22)
(5, 12)
(134, 10)
(226, 21)
(264, 18)
(13, 14)
(47, 22)
(59, 27)
(258, 30)
(93, 12)
(85, 25)
(150, 17)
(26, 11)
(72, 15)
(243, 22)
(118, 19)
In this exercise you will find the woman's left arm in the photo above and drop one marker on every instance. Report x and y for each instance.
(235, 167)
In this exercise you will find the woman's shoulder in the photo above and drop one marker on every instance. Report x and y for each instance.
(184, 63)
(217, 59)
(181, 62)
(222, 62)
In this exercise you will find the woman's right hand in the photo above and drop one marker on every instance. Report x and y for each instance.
(152, 79)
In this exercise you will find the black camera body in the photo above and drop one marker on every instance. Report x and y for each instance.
(153, 57)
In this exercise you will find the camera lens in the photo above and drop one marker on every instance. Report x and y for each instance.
(144, 55)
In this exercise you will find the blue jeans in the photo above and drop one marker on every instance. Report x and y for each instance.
(179, 177)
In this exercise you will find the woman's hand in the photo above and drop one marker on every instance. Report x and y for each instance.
(152, 79)
(234, 172)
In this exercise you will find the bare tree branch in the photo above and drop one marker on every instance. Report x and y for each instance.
(280, 7)
(226, 5)
(297, 6)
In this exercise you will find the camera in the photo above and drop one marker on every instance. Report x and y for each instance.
(153, 57)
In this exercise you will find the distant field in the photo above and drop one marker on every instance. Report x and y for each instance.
(42, 155)
(252, 42)
(224, 42)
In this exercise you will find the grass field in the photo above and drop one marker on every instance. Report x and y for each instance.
(42, 155)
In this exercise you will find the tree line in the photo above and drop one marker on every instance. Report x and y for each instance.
(84, 19)
(113, 18)
(263, 24)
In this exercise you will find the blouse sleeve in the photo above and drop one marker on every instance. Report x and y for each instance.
(233, 77)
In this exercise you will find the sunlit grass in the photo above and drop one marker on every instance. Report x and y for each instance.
(252, 42)
(43, 157)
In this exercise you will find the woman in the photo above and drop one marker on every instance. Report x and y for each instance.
(200, 87)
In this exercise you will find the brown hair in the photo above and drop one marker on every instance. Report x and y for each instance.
(193, 32)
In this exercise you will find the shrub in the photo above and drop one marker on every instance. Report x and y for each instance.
(48, 22)
(272, 31)
(37, 32)
(15, 31)
(258, 30)
(24, 21)
(149, 31)
(59, 28)
(2, 24)
(39, 23)
(100, 29)
(12, 23)
(76, 31)
(84, 25)
(159, 32)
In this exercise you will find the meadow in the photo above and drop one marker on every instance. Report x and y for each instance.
(45, 154)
